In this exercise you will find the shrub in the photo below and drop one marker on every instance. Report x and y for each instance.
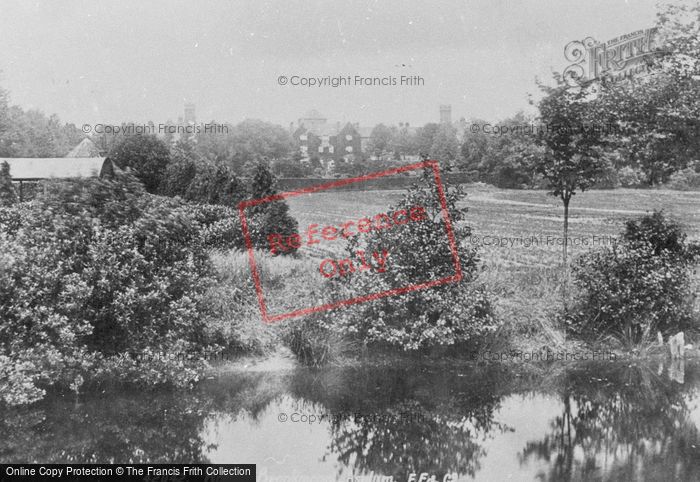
(270, 217)
(98, 270)
(219, 226)
(215, 184)
(637, 286)
(630, 177)
(685, 179)
(8, 196)
(453, 313)
(11, 219)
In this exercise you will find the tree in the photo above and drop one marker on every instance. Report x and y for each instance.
(404, 141)
(445, 147)
(425, 138)
(4, 119)
(657, 116)
(181, 171)
(147, 155)
(33, 134)
(380, 141)
(572, 160)
(249, 141)
(270, 217)
(8, 196)
(476, 149)
(502, 153)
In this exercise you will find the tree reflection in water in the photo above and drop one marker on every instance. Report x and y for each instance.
(132, 426)
(617, 422)
(398, 421)
(621, 422)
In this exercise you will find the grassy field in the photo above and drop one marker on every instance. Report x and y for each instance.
(519, 234)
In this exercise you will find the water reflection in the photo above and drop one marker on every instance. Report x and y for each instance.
(623, 423)
(595, 422)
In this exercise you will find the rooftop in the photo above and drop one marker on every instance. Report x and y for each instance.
(26, 169)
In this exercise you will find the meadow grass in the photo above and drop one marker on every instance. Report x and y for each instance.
(519, 235)
(524, 277)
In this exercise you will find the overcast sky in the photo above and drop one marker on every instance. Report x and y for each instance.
(114, 61)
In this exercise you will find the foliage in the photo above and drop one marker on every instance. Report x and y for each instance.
(504, 154)
(147, 155)
(380, 141)
(292, 168)
(181, 170)
(8, 196)
(656, 117)
(418, 252)
(637, 286)
(32, 134)
(572, 143)
(685, 179)
(219, 227)
(99, 270)
(250, 140)
(270, 217)
(630, 177)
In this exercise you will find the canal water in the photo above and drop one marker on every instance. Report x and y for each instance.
(611, 421)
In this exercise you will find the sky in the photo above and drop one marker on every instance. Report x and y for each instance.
(112, 62)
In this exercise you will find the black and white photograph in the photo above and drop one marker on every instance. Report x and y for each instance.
(350, 240)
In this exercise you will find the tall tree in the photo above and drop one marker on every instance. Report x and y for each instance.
(572, 159)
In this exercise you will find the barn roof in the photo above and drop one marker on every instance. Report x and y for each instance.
(25, 169)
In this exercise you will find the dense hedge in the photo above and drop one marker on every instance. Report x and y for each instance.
(92, 271)
(395, 181)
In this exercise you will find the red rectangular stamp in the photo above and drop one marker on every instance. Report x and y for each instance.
(360, 262)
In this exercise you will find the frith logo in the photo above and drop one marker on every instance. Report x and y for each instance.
(619, 58)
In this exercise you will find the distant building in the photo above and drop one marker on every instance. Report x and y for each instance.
(76, 164)
(313, 120)
(445, 114)
(316, 137)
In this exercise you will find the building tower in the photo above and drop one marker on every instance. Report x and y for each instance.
(445, 114)
(190, 117)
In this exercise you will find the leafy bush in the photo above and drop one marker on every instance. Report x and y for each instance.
(98, 270)
(147, 155)
(219, 226)
(8, 196)
(269, 217)
(630, 177)
(638, 285)
(453, 313)
(11, 218)
(685, 179)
